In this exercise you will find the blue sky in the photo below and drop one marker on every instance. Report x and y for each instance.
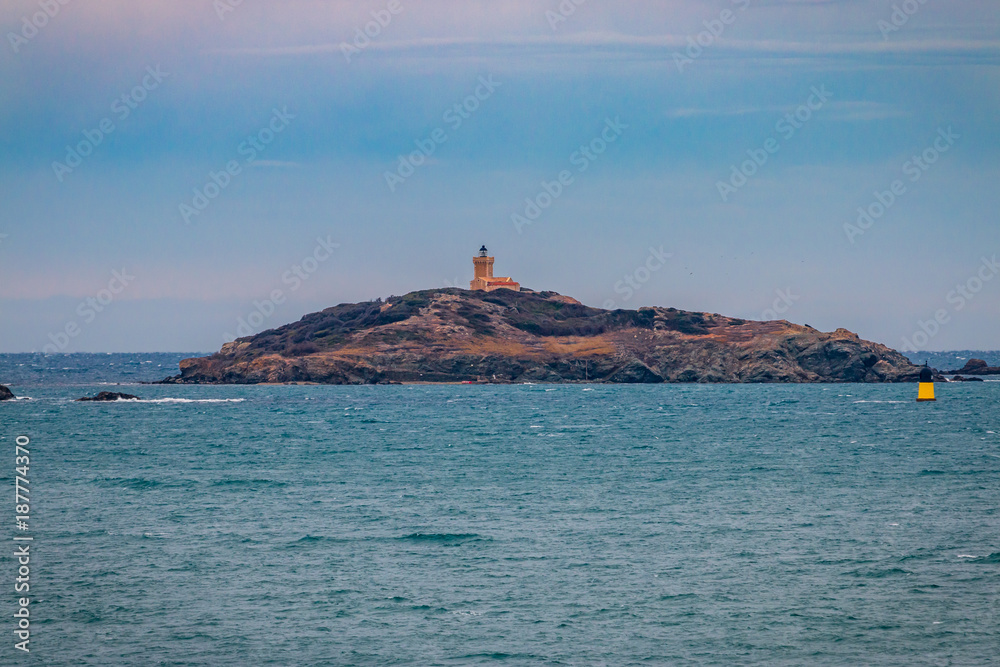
(776, 245)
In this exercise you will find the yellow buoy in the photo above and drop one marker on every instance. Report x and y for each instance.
(926, 390)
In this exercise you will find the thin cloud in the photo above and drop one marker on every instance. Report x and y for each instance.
(842, 111)
(599, 44)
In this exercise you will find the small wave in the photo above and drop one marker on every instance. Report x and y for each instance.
(677, 596)
(881, 401)
(992, 558)
(441, 537)
(880, 574)
(249, 482)
(185, 400)
(134, 483)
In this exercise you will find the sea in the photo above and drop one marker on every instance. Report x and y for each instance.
(827, 524)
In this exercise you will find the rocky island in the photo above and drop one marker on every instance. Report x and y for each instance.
(456, 335)
(6, 394)
(978, 367)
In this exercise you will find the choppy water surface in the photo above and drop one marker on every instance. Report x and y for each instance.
(452, 525)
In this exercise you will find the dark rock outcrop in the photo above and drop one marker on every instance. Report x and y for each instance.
(454, 335)
(978, 367)
(959, 378)
(6, 394)
(108, 396)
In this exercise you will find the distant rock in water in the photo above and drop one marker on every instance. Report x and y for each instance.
(6, 394)
(108, 396)
(959, 378)
(978, 367)
(454, 335)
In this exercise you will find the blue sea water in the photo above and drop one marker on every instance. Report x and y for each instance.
(518, 525)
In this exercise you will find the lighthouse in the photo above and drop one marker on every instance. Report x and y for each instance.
(926, 390)
(483, 278)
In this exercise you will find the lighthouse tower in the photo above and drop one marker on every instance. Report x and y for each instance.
(483, 278)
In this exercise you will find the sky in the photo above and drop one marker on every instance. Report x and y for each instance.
(174, 174)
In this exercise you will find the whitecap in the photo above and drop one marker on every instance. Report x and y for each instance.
(966, 556)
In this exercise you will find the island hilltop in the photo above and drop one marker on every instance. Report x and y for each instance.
(499, 332)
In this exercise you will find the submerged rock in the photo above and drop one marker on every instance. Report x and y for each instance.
(959, 378)
(108, 396)
(6, 394)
